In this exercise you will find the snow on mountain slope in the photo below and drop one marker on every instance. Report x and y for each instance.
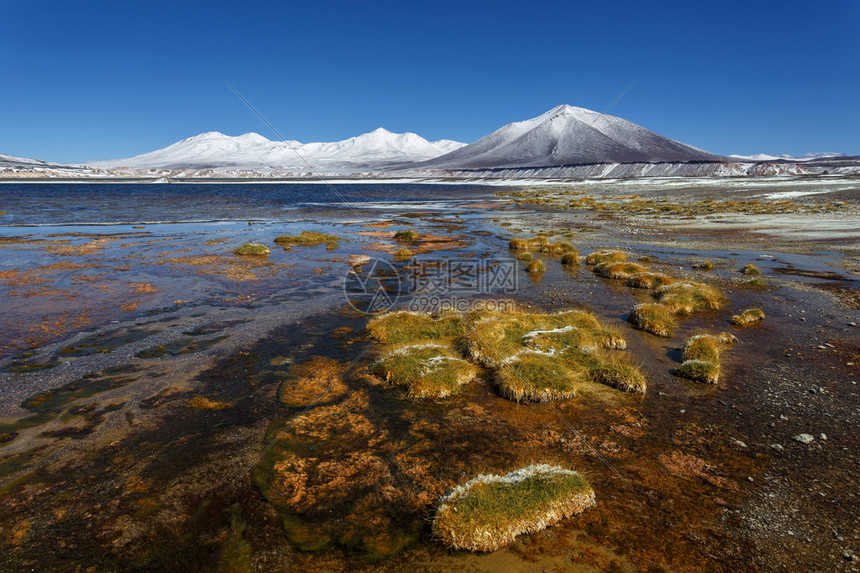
(786, 157)
(567, 135)
(253, 151)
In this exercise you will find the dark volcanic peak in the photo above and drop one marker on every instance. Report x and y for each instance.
(567, 135)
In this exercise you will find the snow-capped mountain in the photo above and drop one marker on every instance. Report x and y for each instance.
(212, 150)
(567, 135)
(786, 157)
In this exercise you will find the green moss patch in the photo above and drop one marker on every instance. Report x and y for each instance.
(307, 238)
(252, 250)
(490, 511)
(407, 235)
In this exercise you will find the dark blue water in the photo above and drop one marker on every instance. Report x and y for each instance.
(118, 203)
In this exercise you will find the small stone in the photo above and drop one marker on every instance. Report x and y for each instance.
(782, 417)
(803, 438)
(777, 447)
(822, 436)
(750, 479)
(739, 443)
(683, 411)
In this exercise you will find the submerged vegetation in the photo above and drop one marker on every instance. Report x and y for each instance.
(701, 357)
(252, 249)
(748, 316)
(490, 511)
(308, 238)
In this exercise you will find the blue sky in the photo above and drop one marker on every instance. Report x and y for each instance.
(98, 80)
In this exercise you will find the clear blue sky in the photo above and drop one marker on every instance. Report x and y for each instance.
(98, 80)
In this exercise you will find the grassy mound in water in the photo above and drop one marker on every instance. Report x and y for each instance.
(532, 376)
(493, 338)
(751, 270)
(649, 280)
(686, 298)
(490, 511)
(426, 370)
(654, 318)
(410, 327)
(618, 271)
(570, 259)
(605, 256)
(306, 238)
(748, 316)
(542, 245)
(702, 357)
(253, 250)
(536, 267)
(407, 235)
(531, 356)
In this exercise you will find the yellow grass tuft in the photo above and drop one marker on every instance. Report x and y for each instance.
(748, 316)
(649, 280)
(410, 327)
(605, 256)
(686, 298)
(652, 317)
(750, 270)
(701, 357)
(618, 271)
(570, 258)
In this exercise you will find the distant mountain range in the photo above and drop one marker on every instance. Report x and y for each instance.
(214, 150)
(566, 141)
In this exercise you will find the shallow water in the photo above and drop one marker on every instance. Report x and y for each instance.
(162, 484)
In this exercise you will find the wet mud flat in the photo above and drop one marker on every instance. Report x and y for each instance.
(151, 443)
